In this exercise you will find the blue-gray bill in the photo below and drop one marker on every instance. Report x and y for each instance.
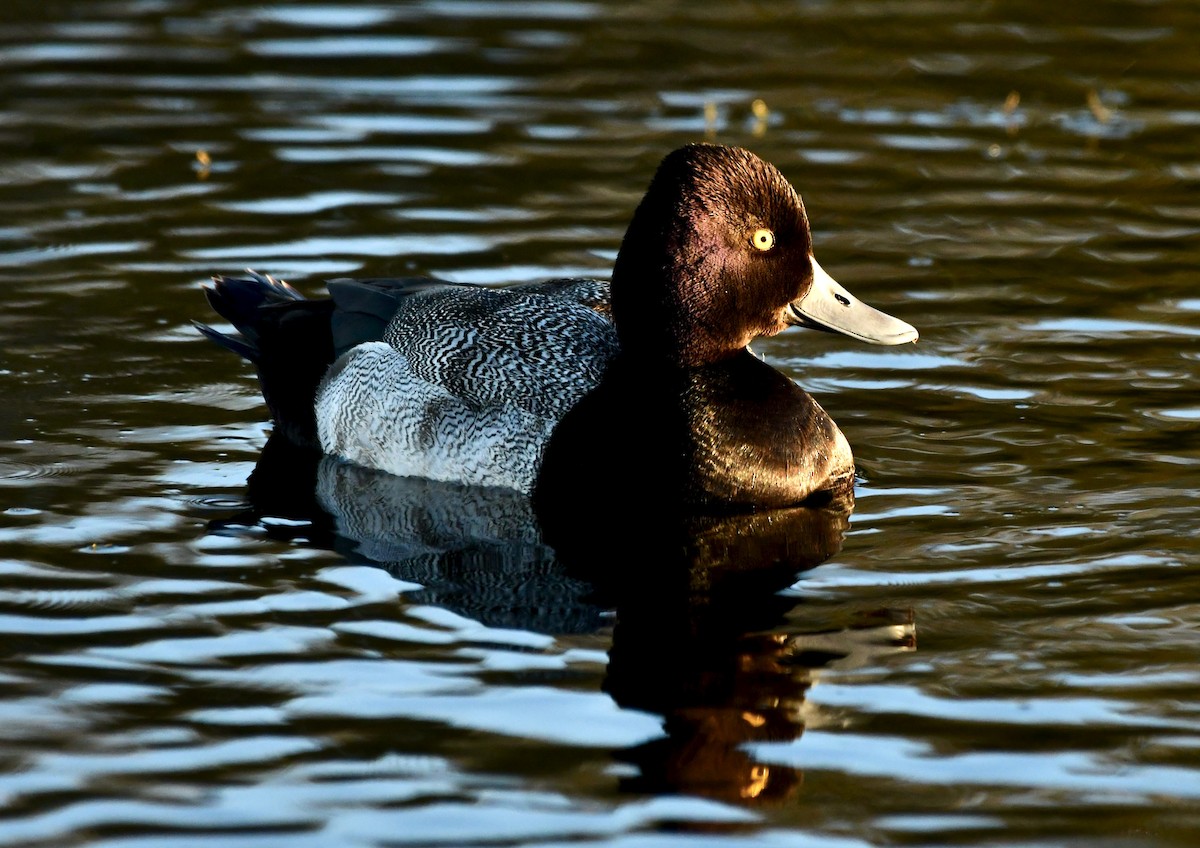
(828, 306)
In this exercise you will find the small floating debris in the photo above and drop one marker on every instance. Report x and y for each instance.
(1013, 124)
(1099, 111)
(205, 163)
(760, 111)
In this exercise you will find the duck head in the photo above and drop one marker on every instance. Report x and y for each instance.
(718, 253)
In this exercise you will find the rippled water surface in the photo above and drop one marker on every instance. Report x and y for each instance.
(1001, 650)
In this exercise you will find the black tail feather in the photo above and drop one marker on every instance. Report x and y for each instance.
(233, 343)
(238, 300)
(287, 337)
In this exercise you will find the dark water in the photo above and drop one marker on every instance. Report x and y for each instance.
(1002, 652)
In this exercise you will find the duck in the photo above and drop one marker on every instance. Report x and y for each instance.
(642, 387)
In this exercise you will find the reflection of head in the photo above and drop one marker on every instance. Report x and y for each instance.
(753, 698)
(723, 681)
(698, 761)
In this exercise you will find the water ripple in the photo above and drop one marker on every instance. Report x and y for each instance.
(1001, 652)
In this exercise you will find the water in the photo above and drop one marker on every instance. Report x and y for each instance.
(1002, 650)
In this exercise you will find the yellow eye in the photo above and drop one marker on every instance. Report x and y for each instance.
(763, 239)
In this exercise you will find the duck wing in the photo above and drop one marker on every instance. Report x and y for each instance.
(466, 383)
(538, 347)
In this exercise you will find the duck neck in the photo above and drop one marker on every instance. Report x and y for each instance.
(665, 306)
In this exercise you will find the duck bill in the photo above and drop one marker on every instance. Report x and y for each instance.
(828, 306)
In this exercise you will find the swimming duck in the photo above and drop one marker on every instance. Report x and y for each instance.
(646, 382)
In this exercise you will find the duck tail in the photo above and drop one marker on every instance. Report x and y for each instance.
(238, 300)
(287, 337)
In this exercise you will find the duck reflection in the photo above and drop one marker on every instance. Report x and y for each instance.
(699, 640)
(476, 551)
(701, 634)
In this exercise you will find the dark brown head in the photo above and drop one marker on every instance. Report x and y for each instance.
(718, 253)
